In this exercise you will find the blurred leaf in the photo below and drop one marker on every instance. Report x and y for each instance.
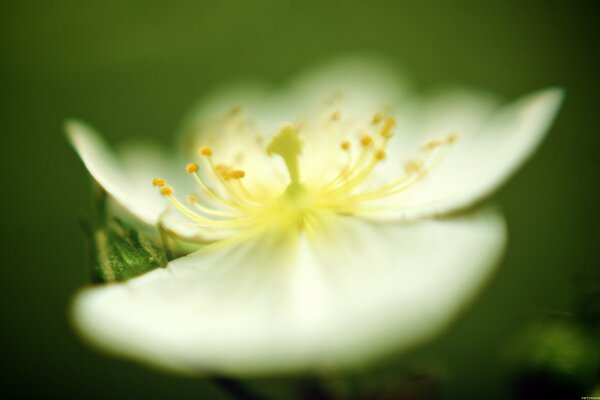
(554, 358)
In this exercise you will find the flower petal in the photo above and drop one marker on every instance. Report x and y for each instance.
(482, 160)
(128, 179)
(110, 173)
(355, 291)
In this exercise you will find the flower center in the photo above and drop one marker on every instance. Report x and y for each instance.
(228, 204)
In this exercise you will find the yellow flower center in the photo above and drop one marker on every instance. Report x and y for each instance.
(228, 204)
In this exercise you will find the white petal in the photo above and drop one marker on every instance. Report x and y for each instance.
(108, 171)
(128, 179)
(356, 292)
(358, 87)
(485, 157)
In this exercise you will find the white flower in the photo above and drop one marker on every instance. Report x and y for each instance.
(338, 216)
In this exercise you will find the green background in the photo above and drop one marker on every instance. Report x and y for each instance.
(133, 68)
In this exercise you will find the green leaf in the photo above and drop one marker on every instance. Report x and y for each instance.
(122, 253)
(118, 251)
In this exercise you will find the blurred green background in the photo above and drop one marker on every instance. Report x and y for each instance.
(133, 68)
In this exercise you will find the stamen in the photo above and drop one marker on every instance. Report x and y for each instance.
(222, 172)
(386, 132)
(414, 171)
(205, 151)
(432, 144)
(377, 118)
(366, 141)
(346, 169)
(350, 170)
(412, 167)
(221, 169)
(166, 190)
(297, 205)
(192, 199)
(235, 174)
(245, 191)
(360, 171)
(158, 182)
(191, 168)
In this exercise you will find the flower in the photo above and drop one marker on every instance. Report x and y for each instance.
(335, 220)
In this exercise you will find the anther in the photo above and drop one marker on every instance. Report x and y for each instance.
(191, 168)
(345, 145)
(386, 132)
(235, 174)
(192, 199)
(380, 155)
(412, 167)
(366, 141)
(432, 144)
(166, 190)
(336, 115)
(205, 151)
(452, 138)
(222, 169)
(158, 182)
(377, 118)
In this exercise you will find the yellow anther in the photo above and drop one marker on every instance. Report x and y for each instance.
(412, 167)
(366, 141)
(166, 190)
(191, 168)
(386, 132)
(377, 118)
(380, 155)
(235, 174)
(432, 144)
(158, 182)
(192, 199)
(452, 138)
(336, 115)
(222, 169)
(205, 151)
(345, 145)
